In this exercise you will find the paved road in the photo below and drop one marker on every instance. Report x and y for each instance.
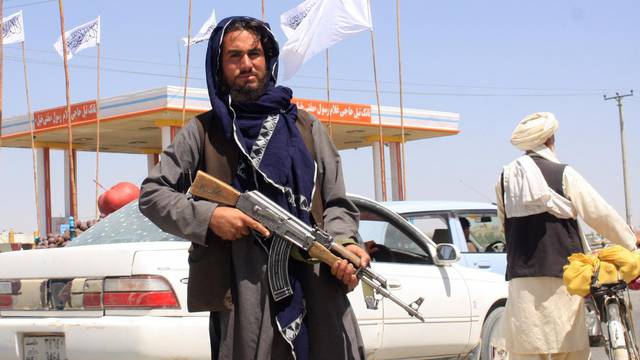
(599, 353)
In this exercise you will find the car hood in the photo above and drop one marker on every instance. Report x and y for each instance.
(86, 261)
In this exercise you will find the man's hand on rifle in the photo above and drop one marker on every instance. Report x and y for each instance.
(343, 270)
(232, 224)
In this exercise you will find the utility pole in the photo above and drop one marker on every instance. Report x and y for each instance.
(627, 194)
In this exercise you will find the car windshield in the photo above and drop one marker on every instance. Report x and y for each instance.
(126, 225)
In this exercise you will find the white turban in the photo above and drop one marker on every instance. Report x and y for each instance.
(534, 130)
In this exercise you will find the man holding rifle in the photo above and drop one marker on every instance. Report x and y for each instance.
(254, 138)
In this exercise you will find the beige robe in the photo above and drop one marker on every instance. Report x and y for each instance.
(541, 316)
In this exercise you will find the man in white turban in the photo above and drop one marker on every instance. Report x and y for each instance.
(539, 200)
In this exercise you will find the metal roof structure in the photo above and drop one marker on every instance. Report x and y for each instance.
(132, 123)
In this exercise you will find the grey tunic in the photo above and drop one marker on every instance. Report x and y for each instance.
(249, 330)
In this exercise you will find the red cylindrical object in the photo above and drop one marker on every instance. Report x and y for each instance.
(117, 196)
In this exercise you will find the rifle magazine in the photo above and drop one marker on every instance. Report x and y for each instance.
(278, 268)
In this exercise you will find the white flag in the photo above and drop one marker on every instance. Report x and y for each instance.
(205, 30)
(80, 38)
(316, 25)
(12, 29)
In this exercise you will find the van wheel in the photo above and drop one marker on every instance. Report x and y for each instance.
(491, 342)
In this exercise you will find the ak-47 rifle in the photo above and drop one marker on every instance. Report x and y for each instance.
(291, 231)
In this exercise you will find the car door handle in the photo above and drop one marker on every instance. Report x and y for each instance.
(482, 265)
(394, 284)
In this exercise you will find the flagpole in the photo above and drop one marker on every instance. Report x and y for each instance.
(380, 135)
(1, 64)
(72, 175)
(329, 95)
(179, 61)
(98, 132)
(186, 71)
(33, 141)
(262, 10)
(403, 192)
(383, 175)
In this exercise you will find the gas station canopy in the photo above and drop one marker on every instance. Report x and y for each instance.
(145, 122)
(132, 123)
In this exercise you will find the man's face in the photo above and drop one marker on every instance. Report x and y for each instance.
(244, 67)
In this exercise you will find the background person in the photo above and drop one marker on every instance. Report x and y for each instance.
(539, 200)
(464, 222)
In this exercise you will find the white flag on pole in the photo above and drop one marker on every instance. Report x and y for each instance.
(316, 25)
(12, 29)
(205, 30)
(80, 38)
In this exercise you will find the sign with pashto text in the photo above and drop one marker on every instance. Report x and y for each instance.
(80, 112)
(339, 112)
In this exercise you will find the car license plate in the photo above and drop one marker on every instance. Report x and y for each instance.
(46, 347)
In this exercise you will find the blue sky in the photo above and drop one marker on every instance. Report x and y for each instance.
(493, 62)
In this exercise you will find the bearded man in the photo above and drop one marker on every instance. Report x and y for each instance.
(539, 200)
(255, 138)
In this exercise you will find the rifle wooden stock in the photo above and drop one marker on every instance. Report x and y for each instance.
(323, 254)
(342, 251)
(213, 189)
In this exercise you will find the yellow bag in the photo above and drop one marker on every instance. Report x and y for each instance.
(578, 274)
(627, 262)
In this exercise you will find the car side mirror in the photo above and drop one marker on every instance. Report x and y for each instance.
(447, 254)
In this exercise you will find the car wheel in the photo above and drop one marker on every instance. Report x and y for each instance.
(491, 342)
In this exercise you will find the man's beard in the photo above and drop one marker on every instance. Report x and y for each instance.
(247, 94)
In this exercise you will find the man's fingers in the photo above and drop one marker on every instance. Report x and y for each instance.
(353, 282)
(342, 267)
(365, 259)
(244, 231)
(349, 278)
(345, 272)
(232, 224)
(257, 227)
(349, 271)
(338, 269)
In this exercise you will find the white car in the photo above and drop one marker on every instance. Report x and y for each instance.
(119, 292)
(442, 222)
